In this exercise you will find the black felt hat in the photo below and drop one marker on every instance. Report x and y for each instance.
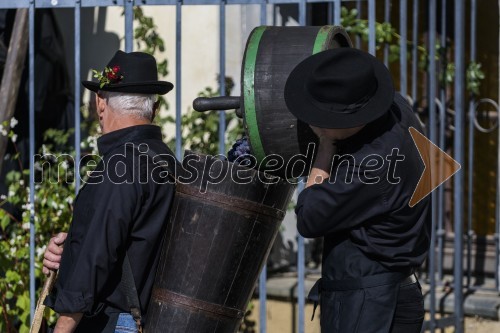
(339, 88)
(134, 72)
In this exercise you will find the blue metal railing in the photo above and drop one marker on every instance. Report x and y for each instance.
(77, 91)
(458, 144)
(440, 232)
(470, 180)
(178, 79)
(222, 74)
(32, 152)
(435, 94)
(403, 59)
(432, 137)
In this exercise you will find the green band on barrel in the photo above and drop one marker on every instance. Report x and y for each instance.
(322, 42)
(249, 93)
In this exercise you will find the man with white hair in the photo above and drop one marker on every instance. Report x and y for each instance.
(113, 246)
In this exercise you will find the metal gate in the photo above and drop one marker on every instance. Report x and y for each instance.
(453, 113)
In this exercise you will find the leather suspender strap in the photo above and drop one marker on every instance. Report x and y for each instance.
(171, 169)
(129, 289)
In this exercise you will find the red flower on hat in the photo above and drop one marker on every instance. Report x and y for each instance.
(110, 75)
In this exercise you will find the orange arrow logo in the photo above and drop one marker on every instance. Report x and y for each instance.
(438, 167)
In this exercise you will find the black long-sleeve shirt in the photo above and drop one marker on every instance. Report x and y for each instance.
(123, 207)
(363, 212)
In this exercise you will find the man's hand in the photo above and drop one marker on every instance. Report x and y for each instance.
(52, 256)
(331, 135)
(326, 150)
(326, 135)
(320, 171)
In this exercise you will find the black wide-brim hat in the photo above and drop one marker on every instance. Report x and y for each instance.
(134, 72)
(339, 88)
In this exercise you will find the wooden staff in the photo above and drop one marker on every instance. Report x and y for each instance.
(14, 65)
(40, 307)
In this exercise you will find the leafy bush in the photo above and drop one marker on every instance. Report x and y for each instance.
(55, 192)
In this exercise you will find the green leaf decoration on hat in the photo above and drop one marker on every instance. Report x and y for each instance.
(110, 75)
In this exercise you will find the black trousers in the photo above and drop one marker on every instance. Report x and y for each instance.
(383, 309)
(409, 314)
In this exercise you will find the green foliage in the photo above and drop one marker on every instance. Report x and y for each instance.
(474, 76)
(386, 35)
(149, 41)
(53, 208)
(248, 325)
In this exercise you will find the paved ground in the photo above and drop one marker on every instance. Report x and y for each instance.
(280, 317)
(479, 325)
(280, 314)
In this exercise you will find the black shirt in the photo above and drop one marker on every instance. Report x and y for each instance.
(122, 208)
(363, 212)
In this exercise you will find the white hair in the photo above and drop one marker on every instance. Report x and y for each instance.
(128, 104)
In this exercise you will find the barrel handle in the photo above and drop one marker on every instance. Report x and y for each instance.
(216, 103)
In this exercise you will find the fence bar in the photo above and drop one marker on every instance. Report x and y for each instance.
(58, 3)
(222, 76)
(442, 143)
(32, 153)
(262, 300)
(263, 14)
(300, 240)
(178, 79)
(387, 19)
(371, 26)
(470, 232)
(458, 144)
(302, 12)
(432, 131)
(359, 9)
(497, 213)
(129, 25)
(497, 218)
(414, 64)
(337, 13)
(301, 264)
(440, 323)
(440, 232)
(331, 12)
(15, 3)
(77, 94)
(263, 274)
(403, 60)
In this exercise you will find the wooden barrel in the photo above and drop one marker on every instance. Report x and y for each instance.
(271, 54)
(218, 238)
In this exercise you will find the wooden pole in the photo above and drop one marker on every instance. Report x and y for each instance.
(40, 307)
(11, 78)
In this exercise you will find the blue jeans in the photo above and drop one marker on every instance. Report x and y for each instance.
(125, 324)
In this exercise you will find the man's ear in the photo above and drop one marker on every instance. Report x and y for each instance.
(100, 104)
(156, 107)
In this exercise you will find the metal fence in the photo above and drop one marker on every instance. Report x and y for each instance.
(436, 98)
